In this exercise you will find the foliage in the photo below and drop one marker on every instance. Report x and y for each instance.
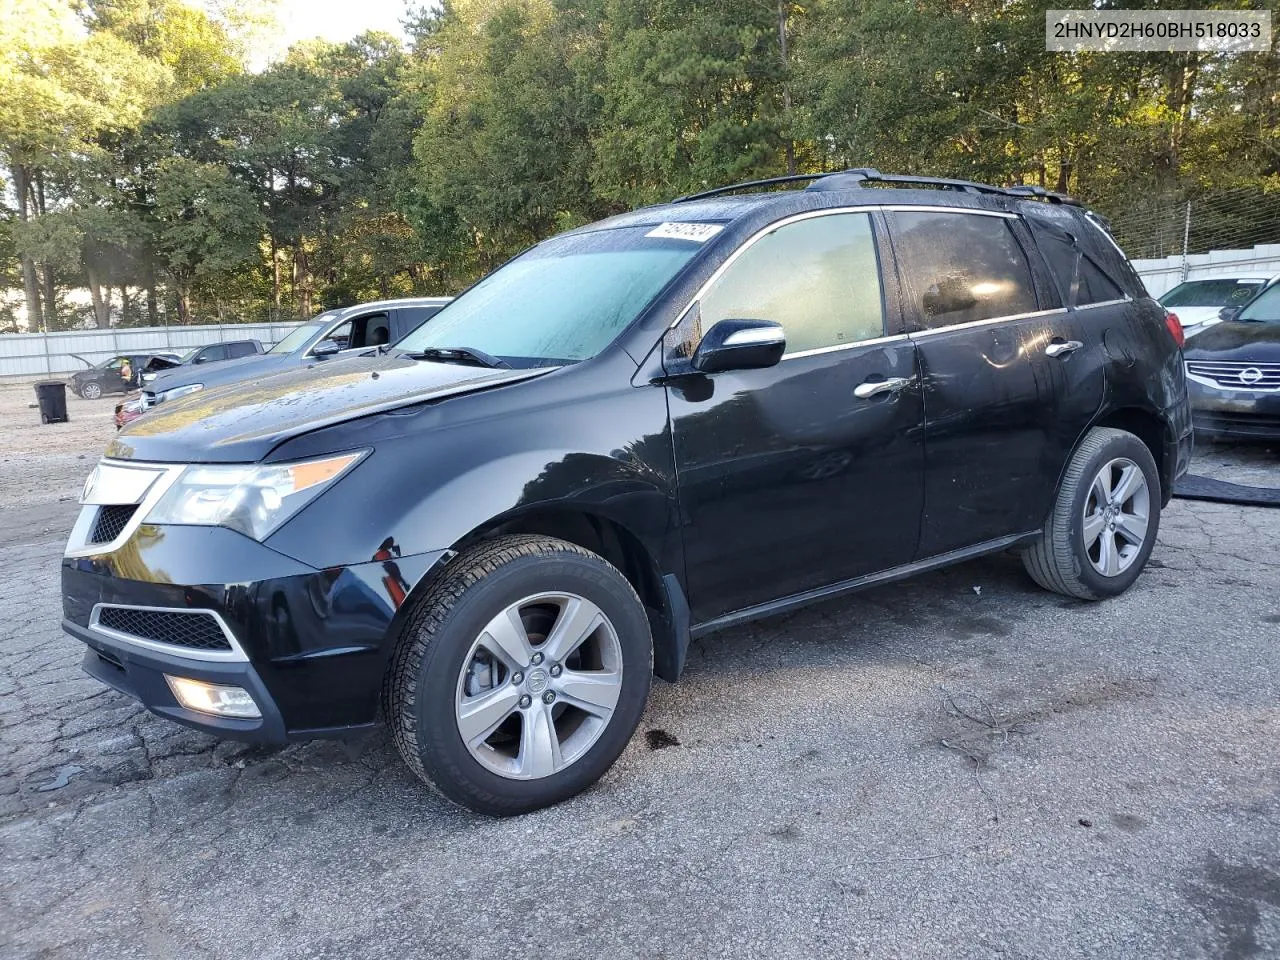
(147, 164)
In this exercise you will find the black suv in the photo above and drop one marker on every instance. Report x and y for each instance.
(635, 433)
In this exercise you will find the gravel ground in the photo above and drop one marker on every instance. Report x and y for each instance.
(957, 766)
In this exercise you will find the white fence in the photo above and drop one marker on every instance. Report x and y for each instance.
(50, 354)
(1163, 275)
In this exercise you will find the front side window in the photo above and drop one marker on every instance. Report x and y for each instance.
(563, 301)
(301, 334)
(818, 277)
(961, 268)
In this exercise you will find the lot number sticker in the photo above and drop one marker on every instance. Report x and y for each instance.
(696, 232)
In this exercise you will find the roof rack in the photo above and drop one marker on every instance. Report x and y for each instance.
(860, 176)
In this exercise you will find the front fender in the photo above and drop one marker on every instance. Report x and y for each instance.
(436, 475)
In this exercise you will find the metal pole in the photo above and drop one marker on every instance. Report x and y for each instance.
(1186, 241)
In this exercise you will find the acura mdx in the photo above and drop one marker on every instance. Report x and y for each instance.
(673, 421)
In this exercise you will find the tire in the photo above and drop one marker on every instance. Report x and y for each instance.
(1061, 560)
(446, 662)
(91, 390)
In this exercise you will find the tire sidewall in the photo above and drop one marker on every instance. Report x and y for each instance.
(445, 757)
(1131, 448)
(91, 391)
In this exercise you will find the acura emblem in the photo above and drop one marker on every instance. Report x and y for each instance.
(1250, 375)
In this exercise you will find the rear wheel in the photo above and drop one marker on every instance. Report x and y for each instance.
(1104, 521)
(91, 390)
(521, 676)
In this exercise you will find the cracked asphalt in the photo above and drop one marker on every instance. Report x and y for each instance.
(957, 766)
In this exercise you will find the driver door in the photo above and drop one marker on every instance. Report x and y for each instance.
(792, 478)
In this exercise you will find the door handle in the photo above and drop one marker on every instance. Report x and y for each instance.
(1062, 348)
(870, 388)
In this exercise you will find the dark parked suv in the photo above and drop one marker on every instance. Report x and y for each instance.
(638, 432)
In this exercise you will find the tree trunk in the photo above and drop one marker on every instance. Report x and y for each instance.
(124, 304)
(784, 15)
(50, 296)
(30, 285)
(101, 308)
(275, 280)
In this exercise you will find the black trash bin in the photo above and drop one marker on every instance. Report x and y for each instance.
(52, 395)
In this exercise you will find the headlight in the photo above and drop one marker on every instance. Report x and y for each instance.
(177, 392)
(252, 499)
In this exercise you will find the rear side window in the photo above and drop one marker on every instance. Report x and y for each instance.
(817, 277)
(961, 268)
(1081, 281)
(240, 349)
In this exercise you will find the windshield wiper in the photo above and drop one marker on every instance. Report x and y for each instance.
(469, 355)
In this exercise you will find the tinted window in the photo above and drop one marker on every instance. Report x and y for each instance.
(243, 349)
(413, 317)
(566, 299)
(961, 267)
(1095, 286)
(1081, 281)
(210, 354)
(817, 277)
(1266, 308)
(1211, 293)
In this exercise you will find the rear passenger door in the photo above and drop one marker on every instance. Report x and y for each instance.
(808, 473)
(1009, 385)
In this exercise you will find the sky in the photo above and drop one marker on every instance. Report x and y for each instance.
(336, 20)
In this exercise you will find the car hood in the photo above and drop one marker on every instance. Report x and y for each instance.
(243, 422)
(222, 371)
(1249, 342)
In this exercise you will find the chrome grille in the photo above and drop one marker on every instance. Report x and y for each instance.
(1235, 375)
(111, 520)
(192, 629)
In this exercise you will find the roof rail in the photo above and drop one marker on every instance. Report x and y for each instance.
(859, 176)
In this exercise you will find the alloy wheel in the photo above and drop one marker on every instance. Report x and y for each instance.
(1116, 514)
(91, 391)
(539, 685)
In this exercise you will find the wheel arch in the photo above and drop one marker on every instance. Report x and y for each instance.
(659, 592)
(1155, 433)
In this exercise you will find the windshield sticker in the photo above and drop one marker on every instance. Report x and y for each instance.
(695, 232)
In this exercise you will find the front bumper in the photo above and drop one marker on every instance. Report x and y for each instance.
(312, 645)
(1234, 414)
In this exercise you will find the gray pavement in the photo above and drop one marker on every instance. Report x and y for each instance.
(957, 766)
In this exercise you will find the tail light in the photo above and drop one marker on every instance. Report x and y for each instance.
(1175, 328)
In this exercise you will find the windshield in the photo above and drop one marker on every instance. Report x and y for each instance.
(564, 300)
(1266, 308)
(1211, 293)
(186, 355)
(300, 335)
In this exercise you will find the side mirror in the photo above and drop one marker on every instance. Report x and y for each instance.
(740, 345)
(325, 349)
(199, 360)
(1227, 314)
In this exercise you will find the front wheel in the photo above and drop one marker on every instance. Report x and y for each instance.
(91, 390)
(1104, 521)
(521, 676)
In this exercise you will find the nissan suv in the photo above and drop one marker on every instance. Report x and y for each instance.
(677, 420)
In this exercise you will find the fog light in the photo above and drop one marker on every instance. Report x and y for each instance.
(221, 701)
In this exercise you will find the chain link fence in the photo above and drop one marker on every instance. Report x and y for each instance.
(1187, 233)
